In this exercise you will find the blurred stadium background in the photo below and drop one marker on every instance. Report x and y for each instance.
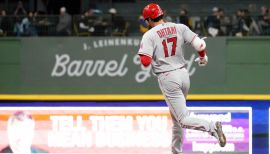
(72, 65)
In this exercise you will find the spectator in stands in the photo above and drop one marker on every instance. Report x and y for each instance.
(250, 23)
(244, 24)
(87, 22)
(20, 130)
(143, 24)
(103, 24)
(212, 23)
(5, 23)
(26, 26)
(63, 27)
(30, 24)
(93, 23)
(18, 28)
(20, 10)
(183, 18)
(43, 24)
(166, 16)
(237, 23)
(264, 20)
(225, 23)
(118, 23)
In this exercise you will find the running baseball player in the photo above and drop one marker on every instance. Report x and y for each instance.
(162, 47)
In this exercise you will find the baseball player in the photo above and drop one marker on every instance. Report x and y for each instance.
(162, 47)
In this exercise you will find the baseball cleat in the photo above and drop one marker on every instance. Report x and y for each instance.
(220, 135)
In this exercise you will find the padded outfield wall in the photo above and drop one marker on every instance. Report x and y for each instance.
(98, 66)
(107, 68)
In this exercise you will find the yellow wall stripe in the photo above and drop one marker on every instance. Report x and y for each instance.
(123, 97)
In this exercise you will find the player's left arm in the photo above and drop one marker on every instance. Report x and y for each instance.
(198, 44)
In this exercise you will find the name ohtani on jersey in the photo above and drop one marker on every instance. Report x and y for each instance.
(166, 31)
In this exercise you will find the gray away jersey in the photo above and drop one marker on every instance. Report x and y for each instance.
(164, 44)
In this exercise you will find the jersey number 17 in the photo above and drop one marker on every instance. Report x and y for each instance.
(172, 40)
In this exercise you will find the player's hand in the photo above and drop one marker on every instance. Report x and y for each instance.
(202, 61)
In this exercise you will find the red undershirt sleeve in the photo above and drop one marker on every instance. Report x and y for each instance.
(202, 53)
(145, 60)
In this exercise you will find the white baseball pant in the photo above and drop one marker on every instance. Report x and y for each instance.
(175, 86)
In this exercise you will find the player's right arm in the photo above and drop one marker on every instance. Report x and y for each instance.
(146, 49)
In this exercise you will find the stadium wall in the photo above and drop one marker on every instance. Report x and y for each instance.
(107, 68)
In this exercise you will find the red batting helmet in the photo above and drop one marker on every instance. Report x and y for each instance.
(152, 11)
